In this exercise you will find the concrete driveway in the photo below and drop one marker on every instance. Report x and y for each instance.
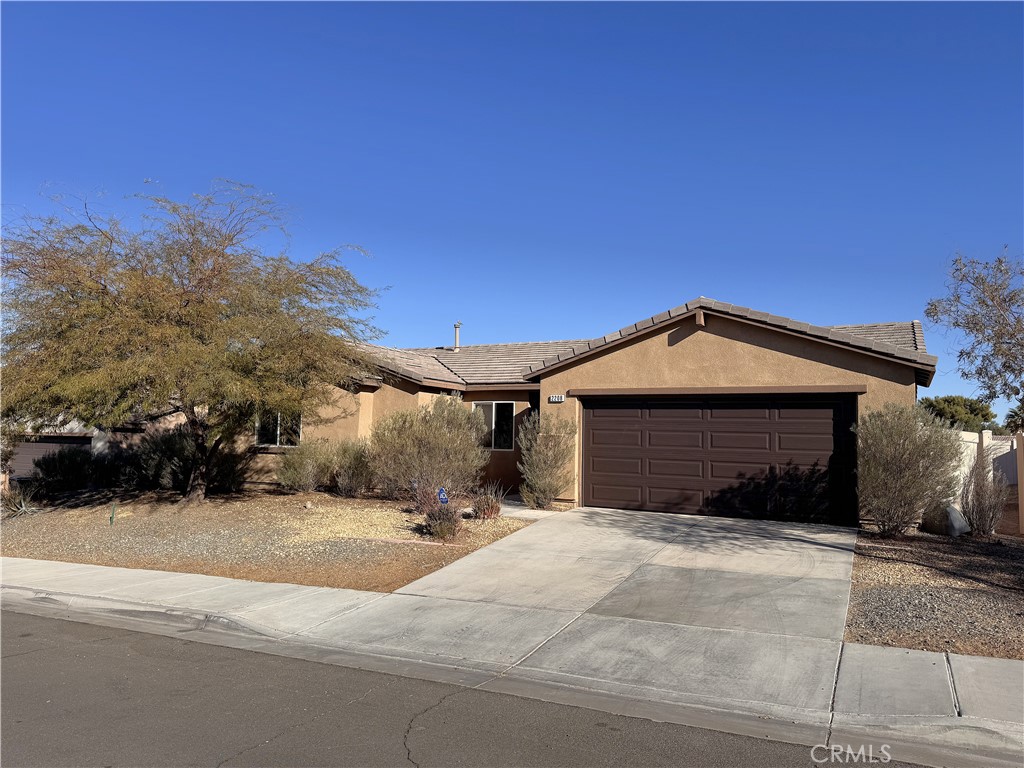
(745, 575)
(701, 609)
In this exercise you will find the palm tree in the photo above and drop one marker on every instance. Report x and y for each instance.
(1015, 418)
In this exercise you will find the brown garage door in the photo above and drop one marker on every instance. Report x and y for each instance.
(785, 457)
(32, 448)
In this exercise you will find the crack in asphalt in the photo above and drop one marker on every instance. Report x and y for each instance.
(418, 715)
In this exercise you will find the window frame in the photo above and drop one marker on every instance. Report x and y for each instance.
(278, 444)
(494, 415)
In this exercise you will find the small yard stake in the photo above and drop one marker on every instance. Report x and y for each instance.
(113, 511)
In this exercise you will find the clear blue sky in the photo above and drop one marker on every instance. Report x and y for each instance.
(555, 171)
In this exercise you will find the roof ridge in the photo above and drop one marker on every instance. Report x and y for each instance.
(447, 368)
(884, 322)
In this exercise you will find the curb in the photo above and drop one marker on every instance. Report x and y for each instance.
(926, 740)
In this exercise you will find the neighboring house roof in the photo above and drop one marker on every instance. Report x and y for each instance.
(496, 363)
(905, 345)
(414, 365)
(521, 362)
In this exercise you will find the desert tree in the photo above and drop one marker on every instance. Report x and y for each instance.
(967, 413)
(186, 311)
(1015, 418)
(985, 301)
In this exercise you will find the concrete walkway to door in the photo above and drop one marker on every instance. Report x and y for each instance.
(728, 624)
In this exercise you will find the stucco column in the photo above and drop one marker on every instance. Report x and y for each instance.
(985, 451)
(1020, 482)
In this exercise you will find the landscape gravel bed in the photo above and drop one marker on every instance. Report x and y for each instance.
(315, 539)
(939, 594)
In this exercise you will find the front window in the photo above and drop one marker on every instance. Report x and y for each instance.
(277, 429)
(500, 420)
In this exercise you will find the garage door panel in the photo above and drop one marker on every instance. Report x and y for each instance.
(675, 439)
(618, 494)
(674, 412)
(747, 441)
(616, 466)
(673, 498)
(729, 470)
(620, 414)
(674, 468)
(616, 437)
(723, 413)
(782, 457)
(819, 415)
(804, 442)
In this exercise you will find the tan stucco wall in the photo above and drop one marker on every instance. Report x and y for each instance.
(725, 353)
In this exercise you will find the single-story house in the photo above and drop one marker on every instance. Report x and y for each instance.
(704, 407)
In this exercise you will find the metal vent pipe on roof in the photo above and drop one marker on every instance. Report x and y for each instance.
(458, 324)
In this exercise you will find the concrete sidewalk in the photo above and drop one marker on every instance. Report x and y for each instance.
(805, 688)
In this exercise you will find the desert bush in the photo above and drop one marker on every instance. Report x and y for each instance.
(393, 453)
(414, 453)
(546, 465)
(163, 460)
(307, 466)
(906, 465)
(443, 520)
(983, 497)
(67, 469)
(487, 499)
(350, 472)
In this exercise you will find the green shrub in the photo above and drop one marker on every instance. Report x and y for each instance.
(547, 452)
(906, 465)
(350, 472)
(487, 501)
(67, 469)
(443, 520)
(307, 466)
(983, 497)
(163, 460)
(436, 446)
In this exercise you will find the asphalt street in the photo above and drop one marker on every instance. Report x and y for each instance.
(80, 695)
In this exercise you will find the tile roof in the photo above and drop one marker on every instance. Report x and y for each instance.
(868, 338)
(495, 363)
(414, 365)
(519, 362)
(909, 335)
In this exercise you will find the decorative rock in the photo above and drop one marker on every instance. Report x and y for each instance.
(949, 521)
(308, 505)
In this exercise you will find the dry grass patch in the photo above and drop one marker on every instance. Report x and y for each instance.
(368, 544)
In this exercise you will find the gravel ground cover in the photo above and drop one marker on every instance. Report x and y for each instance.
(939, 594)
(314, 538)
